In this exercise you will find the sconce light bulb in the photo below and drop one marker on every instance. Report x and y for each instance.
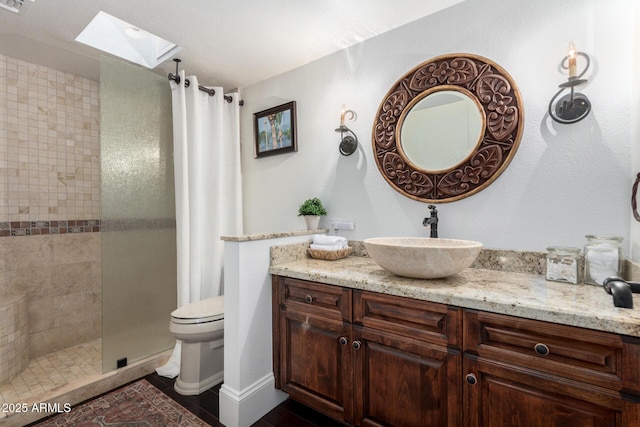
(573, 66)
(342, 112)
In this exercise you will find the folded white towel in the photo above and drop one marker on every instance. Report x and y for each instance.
(328, 247)
(323, 239)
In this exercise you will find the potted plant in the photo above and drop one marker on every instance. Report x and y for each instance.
(312, 210)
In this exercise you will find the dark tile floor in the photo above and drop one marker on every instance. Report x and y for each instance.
(205, 406)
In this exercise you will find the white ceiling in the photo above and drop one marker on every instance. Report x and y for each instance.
(233, 43)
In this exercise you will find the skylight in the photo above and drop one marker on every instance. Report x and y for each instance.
(117, 37)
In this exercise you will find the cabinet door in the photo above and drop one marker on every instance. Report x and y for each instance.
(315, 362)
(498, 396)
(400, 381)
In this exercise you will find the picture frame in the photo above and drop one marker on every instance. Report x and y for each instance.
(274, 130)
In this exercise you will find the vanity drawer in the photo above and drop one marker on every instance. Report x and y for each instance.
(423, 320)
(325, 300)
(594, 357)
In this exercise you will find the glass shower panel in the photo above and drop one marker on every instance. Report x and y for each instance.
(4, 144)
(138, 213)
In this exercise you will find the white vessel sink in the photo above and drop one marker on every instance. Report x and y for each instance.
(422, 258)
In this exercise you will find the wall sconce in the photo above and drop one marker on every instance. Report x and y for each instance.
(573, 106)
(348, 142)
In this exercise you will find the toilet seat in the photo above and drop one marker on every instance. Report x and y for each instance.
(204, 311)
(197, 321)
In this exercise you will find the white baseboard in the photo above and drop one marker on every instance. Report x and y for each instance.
(245, 407)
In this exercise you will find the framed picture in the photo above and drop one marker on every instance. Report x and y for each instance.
(275, 130)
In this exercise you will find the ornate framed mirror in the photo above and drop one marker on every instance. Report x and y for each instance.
(448, 128)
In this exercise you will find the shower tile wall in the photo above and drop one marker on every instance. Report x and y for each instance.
(50, 202)
(51, 152)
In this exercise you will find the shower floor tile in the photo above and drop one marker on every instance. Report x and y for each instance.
(51, 371)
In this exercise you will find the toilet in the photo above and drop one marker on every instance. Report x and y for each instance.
(200, 327)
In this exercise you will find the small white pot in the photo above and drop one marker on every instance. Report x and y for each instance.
(312, 221)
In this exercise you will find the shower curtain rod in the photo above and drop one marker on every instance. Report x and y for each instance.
(176, 78)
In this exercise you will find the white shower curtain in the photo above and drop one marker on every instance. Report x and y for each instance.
(206, 150)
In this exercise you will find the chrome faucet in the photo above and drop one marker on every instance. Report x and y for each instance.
(432, 221)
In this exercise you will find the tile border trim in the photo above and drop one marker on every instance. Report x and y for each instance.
(38, 228)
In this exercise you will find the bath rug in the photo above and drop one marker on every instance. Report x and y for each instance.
(138, 404)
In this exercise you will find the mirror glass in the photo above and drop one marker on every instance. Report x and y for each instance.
(441, 130)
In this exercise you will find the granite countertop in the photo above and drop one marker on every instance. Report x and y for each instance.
(524, 295)
(270, 235)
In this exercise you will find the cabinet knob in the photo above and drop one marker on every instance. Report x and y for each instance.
(541, 349)
(356, 345)
(471, 379)
(344, 340)
(308, 299)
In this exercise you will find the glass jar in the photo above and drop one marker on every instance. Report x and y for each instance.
(602, 258)
(562, 264)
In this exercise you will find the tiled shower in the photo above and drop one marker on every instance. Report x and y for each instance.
(50, 202)
(52, 231)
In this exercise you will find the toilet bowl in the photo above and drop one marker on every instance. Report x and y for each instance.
(200, 327)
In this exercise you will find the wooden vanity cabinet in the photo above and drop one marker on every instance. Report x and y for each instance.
(365, 358)
(521, 372)
(312, 345)
(408, 365)
(372, 359)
